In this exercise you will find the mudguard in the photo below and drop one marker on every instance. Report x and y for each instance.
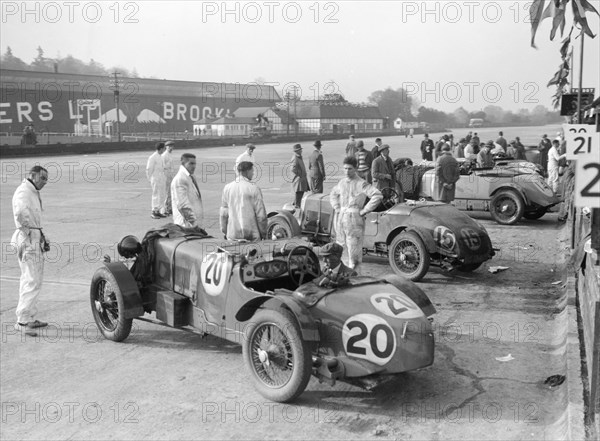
(413, 292)
(425, 236)
(511, 187)
(132, 299)
(308, 327)
(291, 221)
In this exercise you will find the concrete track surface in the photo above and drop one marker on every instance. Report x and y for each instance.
(161, 383)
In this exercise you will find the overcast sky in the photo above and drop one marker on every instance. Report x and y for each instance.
(447, 54)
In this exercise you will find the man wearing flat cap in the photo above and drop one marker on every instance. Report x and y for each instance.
(299, 180)
(335, 273)
(247, 156)
(382, 169)
(484, 157)
(316, 168)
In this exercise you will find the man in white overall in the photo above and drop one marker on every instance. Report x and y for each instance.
(30, 243)
(347, 199)
(155, 172)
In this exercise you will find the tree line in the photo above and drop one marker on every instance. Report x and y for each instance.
(68, 64)
(398, 103)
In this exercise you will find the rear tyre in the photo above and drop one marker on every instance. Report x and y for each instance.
(507, 207)
(408, 256)
(279, 360)
(107, 303)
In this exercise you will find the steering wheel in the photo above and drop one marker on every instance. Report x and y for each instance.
(390, 198)
(303, 264)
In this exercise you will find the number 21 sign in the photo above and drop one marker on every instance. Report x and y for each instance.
(583, 145)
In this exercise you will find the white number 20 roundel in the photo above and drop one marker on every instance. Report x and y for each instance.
(214, 272)
(369, 337)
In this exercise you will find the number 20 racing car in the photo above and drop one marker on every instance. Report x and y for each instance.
(264, 296)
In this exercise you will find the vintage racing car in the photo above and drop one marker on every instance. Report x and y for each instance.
(510, 191)
(413, 235)
(262, 295)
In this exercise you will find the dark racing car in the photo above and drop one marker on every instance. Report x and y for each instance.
(263, 296)
(413, 235)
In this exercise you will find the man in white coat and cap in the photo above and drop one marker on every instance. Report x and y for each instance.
(155, 172)
(243, 215)
(185, 195)
(30, 243)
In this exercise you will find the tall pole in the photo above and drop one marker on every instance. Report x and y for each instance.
(295, 125)
(287, 99)
(579, 106)
(116, 86)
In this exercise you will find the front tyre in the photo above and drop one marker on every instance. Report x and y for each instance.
(507, 207)
(408, 256)
(278, 227)
(107, 303)
(279, 360)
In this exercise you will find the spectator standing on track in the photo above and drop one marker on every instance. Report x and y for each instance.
(316, 168)
(459, 150)
(382, 170)
(544, 147)
(155, 172)
(30, 243)
(472, 150)
(554, 158)
(351, 146)
(520, 148)
(502, 141)
(375, 150)
(484, 157)
(243, 215)
(171, 168)
(476, 139)
(365, 161)
(185, 195)
(427, 148)
(438, 146)
(511, 150)
(299, 181)
(447, 173)
(468, 137)
(248, 156)
(348, 201)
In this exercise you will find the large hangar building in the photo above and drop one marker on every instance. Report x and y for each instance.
(85, 104)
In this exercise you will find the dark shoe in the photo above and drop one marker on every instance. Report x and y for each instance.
(161, 215)
(25, 329)
(36, 324)
(155, 215)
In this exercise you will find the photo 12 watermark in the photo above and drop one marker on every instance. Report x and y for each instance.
(70, 12)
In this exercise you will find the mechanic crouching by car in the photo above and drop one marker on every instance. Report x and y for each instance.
(335, 273)
(347, 199)
(243, 215)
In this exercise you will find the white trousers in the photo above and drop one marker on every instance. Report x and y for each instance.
(553, 179)
(350, 231)
(31, 262)
(159, 188)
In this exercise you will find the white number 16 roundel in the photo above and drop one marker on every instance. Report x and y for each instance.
(369, 337)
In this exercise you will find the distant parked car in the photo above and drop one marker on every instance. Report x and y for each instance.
(510, 190)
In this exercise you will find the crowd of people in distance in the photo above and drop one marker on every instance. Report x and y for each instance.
(368, 174)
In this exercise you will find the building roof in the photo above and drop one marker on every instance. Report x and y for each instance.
(75, 83)
(316, 110)
(235, 120)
